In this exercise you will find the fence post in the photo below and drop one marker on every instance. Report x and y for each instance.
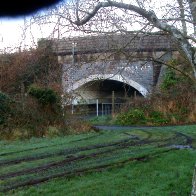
(97, 107)
(193, 193)
(72, 107)
(112, 103)
(102, 109)
(135, 94)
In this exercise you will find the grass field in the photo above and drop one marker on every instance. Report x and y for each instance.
(154, 161)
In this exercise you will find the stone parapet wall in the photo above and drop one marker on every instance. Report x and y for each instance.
(104, 43)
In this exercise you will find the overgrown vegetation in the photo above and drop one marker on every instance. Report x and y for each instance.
(34, 66)
(170, 79)
(141, 117)
(31, 79)
(101, 120)
(173, 103)
(137, 161)
(4, 107)
(33, 83)
(44, 96)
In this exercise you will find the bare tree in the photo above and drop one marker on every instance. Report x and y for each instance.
(176, 18)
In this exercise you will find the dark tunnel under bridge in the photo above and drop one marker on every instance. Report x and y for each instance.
(103, 97)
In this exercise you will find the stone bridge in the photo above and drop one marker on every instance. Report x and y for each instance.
(96, 66)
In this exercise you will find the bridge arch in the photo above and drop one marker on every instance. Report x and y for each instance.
(116, 77)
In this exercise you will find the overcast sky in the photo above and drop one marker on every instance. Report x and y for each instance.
(12, 34)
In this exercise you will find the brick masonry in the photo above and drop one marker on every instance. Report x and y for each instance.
(128, 57)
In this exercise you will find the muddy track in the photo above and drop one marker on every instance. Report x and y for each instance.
(64, 152)
(46, 146)
(63, 162)
(58, 153)
(84, 170)
(72, 158)
(85, 148)
(149, 134)
(86, 138)
(189, 140)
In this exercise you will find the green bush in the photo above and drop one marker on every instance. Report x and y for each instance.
(4, 107)
(170, 79)
(132, 117)
(101, 120)
(157, 118)
(139, 117)
(44, 96)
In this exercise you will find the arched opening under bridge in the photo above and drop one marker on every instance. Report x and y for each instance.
(101, 93)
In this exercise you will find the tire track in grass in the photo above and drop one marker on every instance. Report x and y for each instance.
(118, 145)
(73, 158)
(66, 152)
(81, 171)
(62, 152)
(46, 146)
(189, 140)
(52, 165)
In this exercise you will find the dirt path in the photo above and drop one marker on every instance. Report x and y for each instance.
(124, 128)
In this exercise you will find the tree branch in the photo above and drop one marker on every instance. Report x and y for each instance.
(185, 46)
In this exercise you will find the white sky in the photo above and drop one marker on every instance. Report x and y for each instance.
(12, 36)
(10, 31)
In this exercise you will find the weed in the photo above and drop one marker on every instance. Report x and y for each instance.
(132, 117)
